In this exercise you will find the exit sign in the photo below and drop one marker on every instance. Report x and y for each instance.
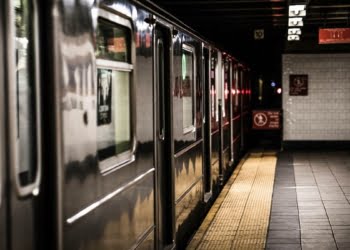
(331, 36)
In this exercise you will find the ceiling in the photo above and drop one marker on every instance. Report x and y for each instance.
(215, 18)
(231, 25)
(256, 13)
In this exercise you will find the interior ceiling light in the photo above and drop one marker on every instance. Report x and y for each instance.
(295, 22)
(293, 37)
(297, 10)
(294, 31)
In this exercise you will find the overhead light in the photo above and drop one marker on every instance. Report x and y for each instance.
(294, 31)
(295, 22)
(297, 10)
(293, 38)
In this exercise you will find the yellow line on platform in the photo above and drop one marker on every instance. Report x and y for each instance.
(239, 218)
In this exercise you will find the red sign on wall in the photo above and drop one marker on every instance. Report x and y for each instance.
(266, 119)
(331, 36)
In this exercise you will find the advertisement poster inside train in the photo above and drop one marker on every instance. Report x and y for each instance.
(104, 101)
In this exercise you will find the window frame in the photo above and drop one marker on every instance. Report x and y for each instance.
(160, 86)
(213, 82)
(127, 157)
(236, 77)
(241, 85)
(33, 187)
(226, 79)
(192, 50)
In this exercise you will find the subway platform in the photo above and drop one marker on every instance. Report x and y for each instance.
(282, 200)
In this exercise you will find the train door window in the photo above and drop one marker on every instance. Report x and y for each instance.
(218, 83)
(237, 87)
(213, 88)
(114, 88)
(241, 86)
(188, 88)
(160, 84)
(246, 91)
(226, 88)
(26, 92)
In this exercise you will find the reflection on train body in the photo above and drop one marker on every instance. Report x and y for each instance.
(118, 125)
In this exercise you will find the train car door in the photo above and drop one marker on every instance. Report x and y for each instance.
(207, 126)
(231, 110)
(236, 113)
(226, 115)
(22, 116)
(243, 114)
(165, 218)
(213, 119)
(220, 115)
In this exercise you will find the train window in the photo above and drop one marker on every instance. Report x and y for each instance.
(26, 91)
(240, 87)
(213, 88)
(188, 77)
(237, 87)
(114, 84)
(226, 89)
(113, 41)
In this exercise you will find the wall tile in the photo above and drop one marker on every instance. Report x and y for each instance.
(325, 113)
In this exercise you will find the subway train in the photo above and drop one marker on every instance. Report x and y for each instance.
(118, 125)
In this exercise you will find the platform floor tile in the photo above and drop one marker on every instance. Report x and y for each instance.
(240, 219)
(317, 186)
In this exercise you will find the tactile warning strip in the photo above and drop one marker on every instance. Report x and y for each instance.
(242, 220)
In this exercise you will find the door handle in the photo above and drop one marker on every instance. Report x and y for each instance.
(162, 135)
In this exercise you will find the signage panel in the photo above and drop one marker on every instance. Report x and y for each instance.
(266, 119)
(298, 85)
(104, 93)
(259, 34)
(332, 36)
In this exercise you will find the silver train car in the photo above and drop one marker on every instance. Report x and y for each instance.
(118, 125)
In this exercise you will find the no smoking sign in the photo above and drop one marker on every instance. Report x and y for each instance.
(266, 119)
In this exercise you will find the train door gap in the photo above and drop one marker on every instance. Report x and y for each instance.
(207, 127)
(164, 178)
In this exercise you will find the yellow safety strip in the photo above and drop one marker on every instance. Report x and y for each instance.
(239, 218)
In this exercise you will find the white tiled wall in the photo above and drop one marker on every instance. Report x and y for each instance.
(324, 114)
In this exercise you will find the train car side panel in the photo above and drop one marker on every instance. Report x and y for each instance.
(141, 124)
(226, 113)
(187, 117)
(214, 118)
(236, 117)
(107, 151)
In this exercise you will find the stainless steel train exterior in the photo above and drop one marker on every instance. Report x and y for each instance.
(119, 125)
